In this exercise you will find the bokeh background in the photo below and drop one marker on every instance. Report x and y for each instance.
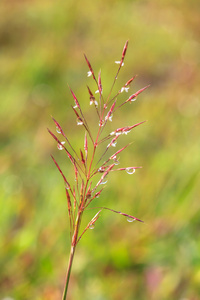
(41, 52)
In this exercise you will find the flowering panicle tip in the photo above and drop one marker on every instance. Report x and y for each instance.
(124, 50)
(109, 114)
(75, 99)
(125, 130)
(58, 127)
(133, 96)
(85, 162)
(91, 72)
(129, 81)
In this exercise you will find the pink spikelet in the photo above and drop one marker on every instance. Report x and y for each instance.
(133, 97)
(58, 127)
(75, 99)
(92, 98)
(99, 83)
(104, 175)
(91, 72)
(129, 81)
(124, 53)
(108, 117)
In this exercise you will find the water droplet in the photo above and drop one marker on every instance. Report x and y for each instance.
(89, 73)
(116, 162)
(119, 62)
(126, 132)
(133, 99)
(130, 171)
(79, 122)
(60, 147)
(88, 196)
(101, 169)
(114, 144)
(130, 220)
(58, 129)
(107, 117)
(91, 226)
(124, 89)
(118, 133)
(66, 186)
(110, 118)
(104, 181)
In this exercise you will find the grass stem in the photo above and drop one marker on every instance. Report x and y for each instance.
(72, 252)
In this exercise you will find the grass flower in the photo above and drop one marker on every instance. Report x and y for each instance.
(91, 171)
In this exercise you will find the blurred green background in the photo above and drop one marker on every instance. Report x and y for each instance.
(41, 52)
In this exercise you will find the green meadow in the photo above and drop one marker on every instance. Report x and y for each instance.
(41, 52)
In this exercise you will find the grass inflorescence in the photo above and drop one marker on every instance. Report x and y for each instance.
(87, 164)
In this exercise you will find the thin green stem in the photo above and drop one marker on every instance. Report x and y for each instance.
(68, 272)
(72, 252)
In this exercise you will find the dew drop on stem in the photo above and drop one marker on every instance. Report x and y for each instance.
(110, 118)
(116, 162)
(132, 100)
(126, 132)
(114, 144)
(66, 186)
(118, 133)
(59, 146)
(104, 181)
(58, 130)
(88, 196)
(130, 220)
(79, 122)
(91, 226)
(130, 171)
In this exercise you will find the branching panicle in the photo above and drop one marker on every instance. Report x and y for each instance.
(92, 171)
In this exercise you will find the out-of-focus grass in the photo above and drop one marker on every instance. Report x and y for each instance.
(41, 50)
